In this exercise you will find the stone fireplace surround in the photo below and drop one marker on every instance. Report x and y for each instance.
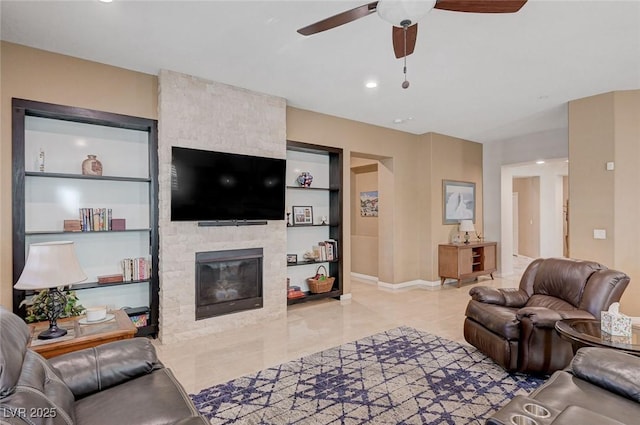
(201, 114)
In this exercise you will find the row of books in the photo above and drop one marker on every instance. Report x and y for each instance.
(95, 219)
(326, 250)
(136, 268)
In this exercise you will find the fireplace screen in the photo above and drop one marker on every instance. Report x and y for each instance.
(228, 281)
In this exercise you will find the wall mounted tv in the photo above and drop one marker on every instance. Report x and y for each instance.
(212, 186)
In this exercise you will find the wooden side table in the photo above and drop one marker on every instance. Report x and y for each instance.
(80, 336)
(464, 261)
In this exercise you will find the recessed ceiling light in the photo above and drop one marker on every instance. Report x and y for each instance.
(398, 121)
(540, 162)
(371, 85)
(105, 1)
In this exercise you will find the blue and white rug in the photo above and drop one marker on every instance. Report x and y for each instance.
(402, 376)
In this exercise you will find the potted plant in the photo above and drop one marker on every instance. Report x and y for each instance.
(38, 306)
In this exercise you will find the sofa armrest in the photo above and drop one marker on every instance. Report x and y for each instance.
(543, 317)
(95, 369)
(510, 297)
(613, 370)
(540, 317)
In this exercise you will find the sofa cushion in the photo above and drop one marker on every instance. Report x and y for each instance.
(39, 396)
(564, 278)
(107, 365)
(500, 320)
(15, 335)
(552, 303)
(613, 370)
(153, 399)
(564, 389)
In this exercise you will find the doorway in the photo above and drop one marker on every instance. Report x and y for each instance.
(546, 216)
(371, 180)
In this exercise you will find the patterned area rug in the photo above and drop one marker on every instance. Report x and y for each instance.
(402, 376)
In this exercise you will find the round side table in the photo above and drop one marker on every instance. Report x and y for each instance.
(587, 333)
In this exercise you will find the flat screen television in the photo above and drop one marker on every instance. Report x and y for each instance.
(212, 186)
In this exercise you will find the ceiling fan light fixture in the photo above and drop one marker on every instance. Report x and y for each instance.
(396, 11)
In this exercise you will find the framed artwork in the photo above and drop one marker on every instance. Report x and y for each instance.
(292, 258)
(302, 216)
(369, 204)
(458, 201)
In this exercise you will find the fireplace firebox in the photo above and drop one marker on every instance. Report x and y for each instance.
(228, 282)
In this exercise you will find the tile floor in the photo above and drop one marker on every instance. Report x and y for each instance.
(315, 326)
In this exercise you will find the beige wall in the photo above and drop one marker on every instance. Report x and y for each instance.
(606, 128)
(368, 140)
(414, 171)
(528, 189)
(364, 230)
(411, 167)
(449, 159)
(47, 77)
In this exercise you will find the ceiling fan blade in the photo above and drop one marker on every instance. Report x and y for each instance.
(339, 19)
(398, 40)
(480, 6)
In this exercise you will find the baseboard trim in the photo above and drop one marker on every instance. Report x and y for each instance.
(408, 284)
(345, 297)
(365, 277)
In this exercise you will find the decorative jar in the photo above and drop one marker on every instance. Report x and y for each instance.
(91, 166)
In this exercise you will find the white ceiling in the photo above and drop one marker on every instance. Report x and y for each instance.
(476, 76)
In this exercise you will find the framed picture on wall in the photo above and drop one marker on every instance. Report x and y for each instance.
(302, 216)
(458, 201)
(369, 204)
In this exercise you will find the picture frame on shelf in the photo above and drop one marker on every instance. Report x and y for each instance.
(292, 258)
(302, 215)
(458, 201)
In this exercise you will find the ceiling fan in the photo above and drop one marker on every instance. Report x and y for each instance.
(404, 16)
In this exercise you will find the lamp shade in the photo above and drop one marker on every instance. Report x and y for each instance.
(50, 265)
(396, 11)
(466, 226)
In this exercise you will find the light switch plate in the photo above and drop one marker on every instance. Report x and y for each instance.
(610, 166)
(599, 234)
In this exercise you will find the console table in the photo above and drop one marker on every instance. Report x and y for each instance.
(464, 261)
(81, 336)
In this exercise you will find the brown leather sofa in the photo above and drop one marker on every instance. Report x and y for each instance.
(515, 327)
(118, 383)
(600, 387)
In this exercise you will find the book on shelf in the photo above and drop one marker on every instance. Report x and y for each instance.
(136, 269)
(326, 250)
(95, 219)
(294, 292)
(72, 226)
(111, 278)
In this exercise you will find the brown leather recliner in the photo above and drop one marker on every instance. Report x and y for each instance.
(117, 383)
(516, 327)
(600, 387)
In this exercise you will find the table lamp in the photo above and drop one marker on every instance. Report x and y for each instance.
(51, 265)
(466, 226)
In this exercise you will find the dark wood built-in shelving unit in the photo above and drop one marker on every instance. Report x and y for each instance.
(27, 108)
(334, 267)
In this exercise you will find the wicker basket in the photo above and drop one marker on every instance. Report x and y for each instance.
(320, 283)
